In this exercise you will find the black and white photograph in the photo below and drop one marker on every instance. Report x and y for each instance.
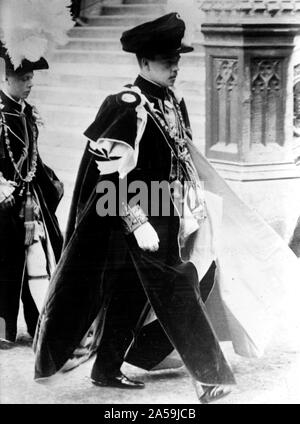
(149, 204)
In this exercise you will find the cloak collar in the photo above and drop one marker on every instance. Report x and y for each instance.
(11, 105)
(151, 89)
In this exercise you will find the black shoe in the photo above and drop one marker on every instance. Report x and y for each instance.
(120, 381)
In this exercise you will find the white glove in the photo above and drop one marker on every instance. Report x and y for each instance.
(147, 237)
(6, 198)
(6, 189)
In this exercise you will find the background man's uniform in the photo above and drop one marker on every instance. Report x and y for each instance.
(35, 204)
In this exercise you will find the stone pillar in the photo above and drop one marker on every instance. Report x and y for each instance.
(249, 102)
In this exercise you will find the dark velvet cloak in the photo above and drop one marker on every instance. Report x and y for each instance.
(96, 245)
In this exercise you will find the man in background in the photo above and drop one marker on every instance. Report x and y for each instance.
(31, 240)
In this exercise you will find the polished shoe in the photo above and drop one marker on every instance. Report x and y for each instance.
(120, 381)
(214, 393)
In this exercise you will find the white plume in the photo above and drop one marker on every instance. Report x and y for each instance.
(31, 28)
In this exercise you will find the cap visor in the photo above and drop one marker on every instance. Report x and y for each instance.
(185, 48)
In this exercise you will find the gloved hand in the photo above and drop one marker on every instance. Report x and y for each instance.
(7, 188)
(7, 203)
(147, 237)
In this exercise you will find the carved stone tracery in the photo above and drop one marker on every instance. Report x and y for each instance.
(225, 77)
(226, 70)
(265, 74)
(267, 101)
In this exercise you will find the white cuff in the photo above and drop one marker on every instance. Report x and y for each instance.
(5, 191)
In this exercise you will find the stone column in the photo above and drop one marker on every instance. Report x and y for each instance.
(249, 102)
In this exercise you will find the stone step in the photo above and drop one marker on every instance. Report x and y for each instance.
(79, 117)
(68, 96)
(87, 70)
(98, 44)
(93, 56)
(97, 31)
(113, 32)
(105, 44)
(55, 138)
(67, 117)
(128, 21)
(134, 9)
(87, 82)
(115, 57)
(96, 70)
(112, 82)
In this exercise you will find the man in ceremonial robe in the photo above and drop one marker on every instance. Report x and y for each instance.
(115, 264)
(31, 240)
(121, 254)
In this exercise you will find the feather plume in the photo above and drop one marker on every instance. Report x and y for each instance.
(32, 28)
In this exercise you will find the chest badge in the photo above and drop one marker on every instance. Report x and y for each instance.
(128, 98)
(168, 104)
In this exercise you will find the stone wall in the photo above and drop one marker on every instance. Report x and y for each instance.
(249, 102)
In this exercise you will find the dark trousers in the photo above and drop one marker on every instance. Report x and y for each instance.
(10, 308)
(151, 346)
(173, 290)
(125, 303)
